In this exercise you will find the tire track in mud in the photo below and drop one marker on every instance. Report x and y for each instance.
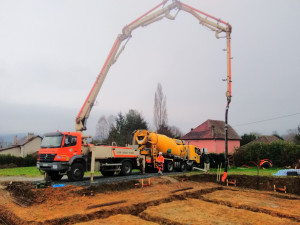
(251, 208)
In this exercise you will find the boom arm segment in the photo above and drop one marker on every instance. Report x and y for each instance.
(84, 113)
(149, 17)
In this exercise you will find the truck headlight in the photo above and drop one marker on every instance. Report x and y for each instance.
(54, 166)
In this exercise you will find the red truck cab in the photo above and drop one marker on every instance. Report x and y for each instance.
(58, 151)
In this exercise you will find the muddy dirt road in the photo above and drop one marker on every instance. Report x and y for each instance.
(167, 200)
(98, 179)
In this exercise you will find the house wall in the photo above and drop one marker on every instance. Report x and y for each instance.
(12, 151)
(232, 145)
(215, 146)
(31, 147)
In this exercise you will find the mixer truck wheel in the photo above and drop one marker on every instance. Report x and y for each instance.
(169, 166)
(183, 166)
(191, 167)
(126, 168)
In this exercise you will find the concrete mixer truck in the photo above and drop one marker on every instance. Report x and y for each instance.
(177, 154)
(70, 153)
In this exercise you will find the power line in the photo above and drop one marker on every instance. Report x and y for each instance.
(261, 121)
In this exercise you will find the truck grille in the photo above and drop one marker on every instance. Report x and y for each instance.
(47, 157)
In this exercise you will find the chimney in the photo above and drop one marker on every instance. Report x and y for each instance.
(30, 135)
(192, 129)
(213, 131)
(15, 140)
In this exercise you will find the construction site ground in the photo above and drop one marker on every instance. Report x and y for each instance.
(196, 199)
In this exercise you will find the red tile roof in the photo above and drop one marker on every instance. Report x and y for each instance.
(211, 129)
(265, 139)
(262, 139)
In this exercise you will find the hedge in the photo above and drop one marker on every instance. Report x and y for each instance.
(281, 153)
(28, 160)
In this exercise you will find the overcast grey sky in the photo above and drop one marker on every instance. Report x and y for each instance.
(52, 51)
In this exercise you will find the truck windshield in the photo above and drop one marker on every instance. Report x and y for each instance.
(52, 141)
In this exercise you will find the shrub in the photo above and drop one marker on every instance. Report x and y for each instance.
(281, 153)
(29, 160)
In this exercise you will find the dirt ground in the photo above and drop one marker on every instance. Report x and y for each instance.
(167, 200)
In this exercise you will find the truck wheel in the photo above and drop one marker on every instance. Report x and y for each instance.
(54, 175)
(76, 173)
(182, 166)
(108, 173)
(191, 167)
(169, 166)
(126, 168)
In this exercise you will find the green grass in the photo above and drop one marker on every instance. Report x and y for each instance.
(21, 171)
(242, 171)
(96, 173)
(29, 172)
(253, 171)
(34, 172)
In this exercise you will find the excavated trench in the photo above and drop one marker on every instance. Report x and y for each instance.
(26, 192)
(9, 218)
(22, 193)
(103, 188)
(135, 210)
(262, 183)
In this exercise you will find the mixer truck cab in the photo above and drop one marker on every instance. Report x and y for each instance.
(194, 154)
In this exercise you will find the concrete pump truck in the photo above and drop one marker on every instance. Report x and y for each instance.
(69, 152)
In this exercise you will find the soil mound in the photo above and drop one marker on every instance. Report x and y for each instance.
(103, 188)
(23, 193)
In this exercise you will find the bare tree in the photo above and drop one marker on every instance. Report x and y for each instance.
(297, 136)
(291, 134)
(111, 120)
(176, 132)
(160, 108)
(1, 142)
(102, 128)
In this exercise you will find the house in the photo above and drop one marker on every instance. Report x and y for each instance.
(211, 135)
(265, 139)
(261, 139)
(27, 145)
